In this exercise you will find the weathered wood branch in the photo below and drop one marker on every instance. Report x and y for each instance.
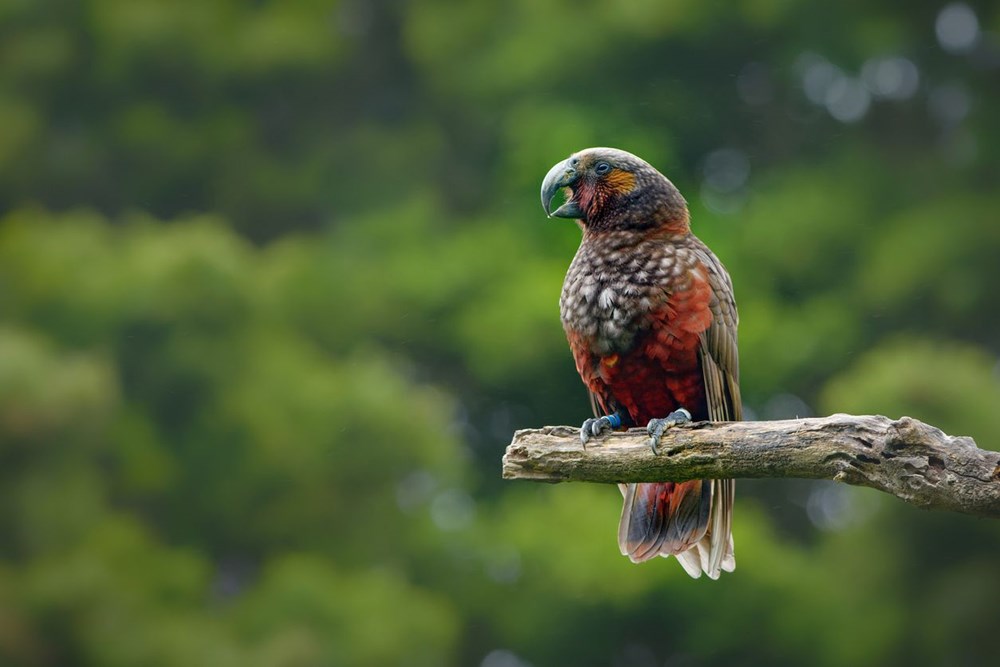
(904, 457)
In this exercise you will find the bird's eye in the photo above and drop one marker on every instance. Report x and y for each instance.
(602, 168)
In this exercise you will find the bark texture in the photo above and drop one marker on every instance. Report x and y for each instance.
(906, 458)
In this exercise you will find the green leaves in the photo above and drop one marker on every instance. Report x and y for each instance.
(175, 394)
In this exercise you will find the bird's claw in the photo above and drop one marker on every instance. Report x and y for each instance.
(595, 426)
(656, 427)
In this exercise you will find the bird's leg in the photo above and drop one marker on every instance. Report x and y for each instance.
(595, 426)
(656, 427)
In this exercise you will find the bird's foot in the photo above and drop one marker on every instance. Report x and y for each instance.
(595, 426)
(656, 427)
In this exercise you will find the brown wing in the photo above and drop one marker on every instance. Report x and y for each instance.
(720, 368)
(719, 353)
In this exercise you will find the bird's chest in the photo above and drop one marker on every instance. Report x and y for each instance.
(609, 295)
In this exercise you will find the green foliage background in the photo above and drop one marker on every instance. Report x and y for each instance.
(276, 288)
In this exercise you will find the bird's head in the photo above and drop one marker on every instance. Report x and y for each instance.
(611, 189)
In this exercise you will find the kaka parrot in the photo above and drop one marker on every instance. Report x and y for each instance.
(650, 317)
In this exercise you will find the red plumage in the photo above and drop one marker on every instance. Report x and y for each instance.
(651, 320)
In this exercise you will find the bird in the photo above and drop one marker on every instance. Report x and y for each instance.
(650, 317)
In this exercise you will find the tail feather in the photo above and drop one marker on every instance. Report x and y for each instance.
(689, 520)
(720, 530)
(663, 517)
(646, 526)
(690, 561)
(690, 503)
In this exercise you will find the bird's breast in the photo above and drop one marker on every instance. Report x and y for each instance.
(612, 288)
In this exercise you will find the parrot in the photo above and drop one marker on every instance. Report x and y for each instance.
(650, 317)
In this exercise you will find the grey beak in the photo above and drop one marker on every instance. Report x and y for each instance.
(562, 175)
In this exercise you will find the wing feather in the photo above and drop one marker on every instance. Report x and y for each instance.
(720, 369)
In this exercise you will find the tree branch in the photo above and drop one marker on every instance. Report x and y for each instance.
(905, 457)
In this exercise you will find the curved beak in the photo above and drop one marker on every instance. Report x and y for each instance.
(562, 175)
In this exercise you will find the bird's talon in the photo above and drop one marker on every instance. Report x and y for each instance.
(595, 426)
(592, 428)
(656, 427)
